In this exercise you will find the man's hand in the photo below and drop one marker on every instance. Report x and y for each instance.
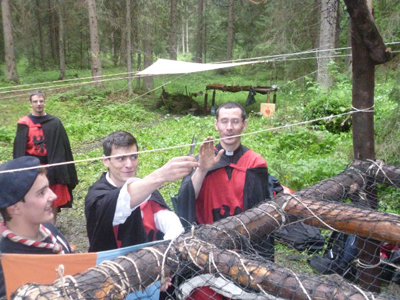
(177, 168)
(207, 157)
(207, 161)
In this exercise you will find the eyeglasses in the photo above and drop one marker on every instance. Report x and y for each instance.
(121, 159)
(233, 122)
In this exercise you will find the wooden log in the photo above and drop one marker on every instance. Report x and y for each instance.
(140, 269)
(235, 89)
(114, 280)
(379, 171)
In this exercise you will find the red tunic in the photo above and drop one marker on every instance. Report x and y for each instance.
(149, 208)
(220, 196)
(36, 146)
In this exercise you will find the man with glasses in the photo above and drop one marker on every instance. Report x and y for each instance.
(113, 203)
(230, 179)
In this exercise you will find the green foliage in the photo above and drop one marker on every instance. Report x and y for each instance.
(324, 104)
(7, 134)
(387, 123)
(298, 156)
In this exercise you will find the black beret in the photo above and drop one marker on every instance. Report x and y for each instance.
(15, 185)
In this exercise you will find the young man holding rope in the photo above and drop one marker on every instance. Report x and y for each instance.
(43, 136)
(123, 210)
(230, 179)
(26, 208)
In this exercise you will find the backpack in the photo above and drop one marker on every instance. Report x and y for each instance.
(301, 237)
(338, 256)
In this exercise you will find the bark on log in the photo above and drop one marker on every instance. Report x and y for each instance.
(140, 269)
(113, 279)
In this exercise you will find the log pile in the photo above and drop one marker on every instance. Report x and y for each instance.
(219, 248)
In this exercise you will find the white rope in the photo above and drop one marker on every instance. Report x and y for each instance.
(61, 280)
(224, 231)
(301, 284)
(365, 266)
(182, 146)
(163, 276)
(318, 218)
(247, 271)
(114, 267)
(280, 224)
(362, 292)
(380, 169)
(136, 269)
(282, 57)
(368, 110)
(244, 227)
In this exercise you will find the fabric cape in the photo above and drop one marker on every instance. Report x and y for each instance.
(100, 205)
(58, 150)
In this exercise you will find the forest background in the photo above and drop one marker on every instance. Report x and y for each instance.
(84, 56)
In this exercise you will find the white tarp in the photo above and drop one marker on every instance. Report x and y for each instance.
(166, 66)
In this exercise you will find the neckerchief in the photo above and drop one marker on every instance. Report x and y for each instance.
(57, 248)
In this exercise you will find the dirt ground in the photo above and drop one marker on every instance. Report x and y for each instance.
(74, 229)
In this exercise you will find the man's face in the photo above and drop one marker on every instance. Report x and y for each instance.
(38, 104)
(123, 167)
(230, 123)
(37, 207)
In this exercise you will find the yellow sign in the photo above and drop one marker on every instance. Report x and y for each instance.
(267, 109)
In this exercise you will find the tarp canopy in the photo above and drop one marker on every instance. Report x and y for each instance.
(166, 66)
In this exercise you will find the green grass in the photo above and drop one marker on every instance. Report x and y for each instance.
(298, 155)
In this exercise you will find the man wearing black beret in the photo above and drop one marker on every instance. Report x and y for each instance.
(26, 207)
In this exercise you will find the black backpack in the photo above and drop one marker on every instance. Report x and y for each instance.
(301, 237)
(338, 256)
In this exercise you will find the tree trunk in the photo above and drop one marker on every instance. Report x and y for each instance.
(327, 38)
(187, 30)
(148, 61)
(11, 67)
(199, 33)
(39, 18)
(129, 45)
(231, 31)
(173, 51)
(94, 44)
(148, 82)
(61, 39)
(363, 133)
(138, 67)
(52, 30)
(123, 47)
(183, 38)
